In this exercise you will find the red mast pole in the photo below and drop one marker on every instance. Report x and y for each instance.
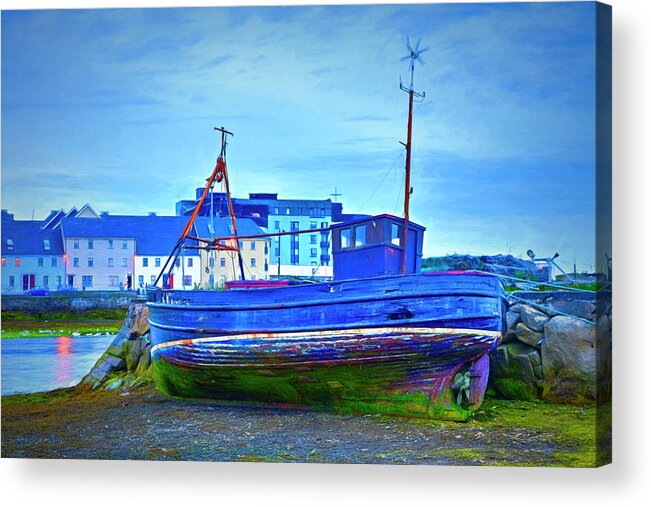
(414, 54)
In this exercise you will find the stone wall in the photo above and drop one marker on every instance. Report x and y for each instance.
(67, 302)
(557, 347)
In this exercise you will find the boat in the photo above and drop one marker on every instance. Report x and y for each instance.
(380, 338)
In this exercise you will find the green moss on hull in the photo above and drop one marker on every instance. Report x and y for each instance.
(346, 389)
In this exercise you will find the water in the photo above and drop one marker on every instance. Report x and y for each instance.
(41, 364)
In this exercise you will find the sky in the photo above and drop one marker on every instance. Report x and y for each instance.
(116, 108)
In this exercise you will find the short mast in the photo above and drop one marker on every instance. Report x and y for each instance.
(414, 54)
(222, 158)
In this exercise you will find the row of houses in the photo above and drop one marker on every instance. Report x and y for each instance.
(86, 250)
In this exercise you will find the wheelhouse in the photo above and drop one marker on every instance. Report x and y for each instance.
(372, 246)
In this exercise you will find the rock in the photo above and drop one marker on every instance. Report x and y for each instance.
(569, 360)
(515, 371)
(534, 319)
(145, 360)
(512, 318)
(114, 384)
(577, 307)
(115, 348)
(527, 335)
(131, 350)
(140, 321)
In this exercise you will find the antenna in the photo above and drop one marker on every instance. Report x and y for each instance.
(335, 195)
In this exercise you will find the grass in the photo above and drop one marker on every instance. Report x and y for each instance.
(573, 428)
(36, 329)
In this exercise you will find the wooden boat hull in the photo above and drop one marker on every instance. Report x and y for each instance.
(388, 345)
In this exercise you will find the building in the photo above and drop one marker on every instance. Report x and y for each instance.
(99, 249)
(32, 255)
(223, 265)
(155, 239)
(302, 255)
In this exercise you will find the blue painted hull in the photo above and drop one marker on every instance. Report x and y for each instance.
(400, 336)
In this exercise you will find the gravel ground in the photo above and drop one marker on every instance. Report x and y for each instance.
(144, 425)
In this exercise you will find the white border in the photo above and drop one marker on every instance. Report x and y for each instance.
(115, 483)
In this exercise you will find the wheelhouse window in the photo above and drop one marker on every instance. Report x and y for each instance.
(360, 235)
(344, 236)
(395, 235)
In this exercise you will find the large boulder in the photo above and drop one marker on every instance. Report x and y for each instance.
(577, 307)
(512, 319)
(528, 335)
(533, 318)
(516, 371)
(140, 321)
(569, 360)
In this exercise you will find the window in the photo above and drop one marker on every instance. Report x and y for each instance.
(277, 225)
(157, 262)
(90, 262)
(110, 244)
(4, 261)
(54, 262)
(86, 281)
(252, 245)
(312, 212)
(313, 263)
(17, 261)
(58, 280)
(190, 262)
(287, 211)
(10, 244)
(360, 235)
(266, 265)
(145, 262)
(177, 263)
(141, 280)
(125, 262)
(40, 262)
(324, 225)
(222, 280)
(114, 281)
(187, 280)
(294, 226)
(125, 245)
(276, 211)
(222, 262)
(46, 281)
(211, 262)
(75, 243)
(345, 238)
(313, 239)
(395, 234)
(110, 262)
(240, 245)
(252, 277)
(12, 281)
(46, 244)
(153, 279)
(91, 244)
(252, 262)
(75, 262)
(312, 225)
(322, 214)
(277, 251)
(312, 252)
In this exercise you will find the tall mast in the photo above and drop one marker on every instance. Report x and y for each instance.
(414, 54)
(222, 158)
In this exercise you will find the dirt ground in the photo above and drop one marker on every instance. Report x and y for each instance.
(144, 425)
